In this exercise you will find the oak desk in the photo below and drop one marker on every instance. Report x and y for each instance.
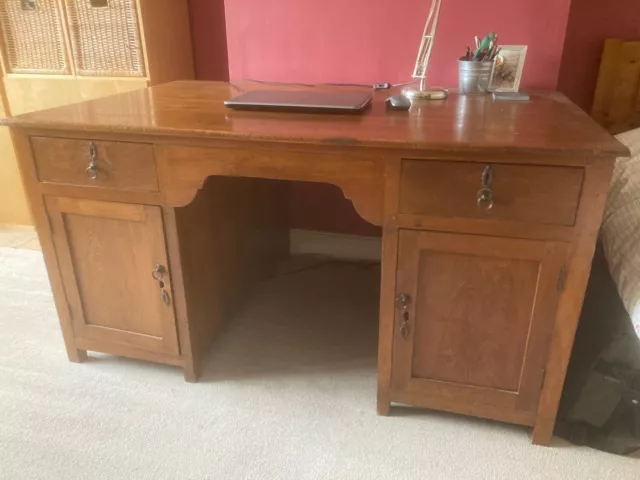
(158, 209)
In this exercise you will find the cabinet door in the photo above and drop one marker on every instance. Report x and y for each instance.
(107, 254)
(474, 317)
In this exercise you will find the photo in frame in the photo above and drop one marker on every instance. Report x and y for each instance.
(507, 70)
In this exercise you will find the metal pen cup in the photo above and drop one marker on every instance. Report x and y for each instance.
(474, 77)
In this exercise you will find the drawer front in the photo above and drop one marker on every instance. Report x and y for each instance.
(118, 165)
(522, 193)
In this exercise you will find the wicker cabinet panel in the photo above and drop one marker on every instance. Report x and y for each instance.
(33, 39)
(105, 37)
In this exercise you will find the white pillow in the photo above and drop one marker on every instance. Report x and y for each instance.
(621, 227)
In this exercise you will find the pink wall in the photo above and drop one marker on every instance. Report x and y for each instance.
(590, 23)
(209, 35)
(367, 41)
(364, 41)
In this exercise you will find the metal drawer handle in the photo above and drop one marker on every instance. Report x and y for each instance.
(92, 171)
(165, 297)
(158, 272)
(402, 302)
(485, 199)
(158, 275)
(485, 194)
(404, 330)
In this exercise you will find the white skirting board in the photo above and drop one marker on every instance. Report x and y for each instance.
(352, 247)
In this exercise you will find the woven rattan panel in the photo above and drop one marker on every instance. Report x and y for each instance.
(106, 40)
(32, 36)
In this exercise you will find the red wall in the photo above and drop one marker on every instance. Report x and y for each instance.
(367, 41)
(209, 35)
(371, 41)
(590, 23)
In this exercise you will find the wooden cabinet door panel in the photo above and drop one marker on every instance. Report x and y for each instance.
(478, 321)
(107, 253)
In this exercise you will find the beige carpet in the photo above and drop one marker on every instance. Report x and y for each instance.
(288, 393)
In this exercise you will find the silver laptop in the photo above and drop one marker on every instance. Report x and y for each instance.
(324, 101)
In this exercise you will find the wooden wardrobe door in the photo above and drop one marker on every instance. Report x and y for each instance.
(472, 330)
(107, 254)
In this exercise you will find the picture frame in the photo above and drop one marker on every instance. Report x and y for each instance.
(507, 69)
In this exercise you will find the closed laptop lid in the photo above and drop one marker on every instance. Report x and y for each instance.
(346, 100)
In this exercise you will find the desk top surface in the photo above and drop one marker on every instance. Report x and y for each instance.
(548, 123)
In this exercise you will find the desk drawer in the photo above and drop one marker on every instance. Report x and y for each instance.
(118, 165)
(523, 193)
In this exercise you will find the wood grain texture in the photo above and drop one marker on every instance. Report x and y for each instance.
(595, 190)
(183, 170)
(165, 30)
(104, 194)
(479, 318)
(166, 38)
(120, 165)
(196, 110)
(107, 253)
(527, 194)
(30, 93)
(129, 352)
(189, 364)
(482, 407)
(490, 317)
(22, 145)
(616, 105)
(230, 238)
(34, 92)
(486, 226)
(459, 335)
(388, 286)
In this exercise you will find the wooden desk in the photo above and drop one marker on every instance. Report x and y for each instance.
(158, 209)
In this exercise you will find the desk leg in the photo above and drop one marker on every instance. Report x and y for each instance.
(228, 239)
(388, 287)
(180, 299)
(543, 432)
(77, 356)
(191, 371)
(387, 312)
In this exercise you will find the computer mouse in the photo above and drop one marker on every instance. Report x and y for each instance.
(399, 102)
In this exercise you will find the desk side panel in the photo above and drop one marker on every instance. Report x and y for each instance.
(230, 237)
(22, 146)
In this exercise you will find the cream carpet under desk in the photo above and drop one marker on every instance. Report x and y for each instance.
(288, 392)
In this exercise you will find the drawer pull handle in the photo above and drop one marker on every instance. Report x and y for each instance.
(485, 194)
(158, 275)
(165, 297)
(402, 302)
(485, 199)
(92, 171)
(158, 272)
(487, 177)
(404, 330)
